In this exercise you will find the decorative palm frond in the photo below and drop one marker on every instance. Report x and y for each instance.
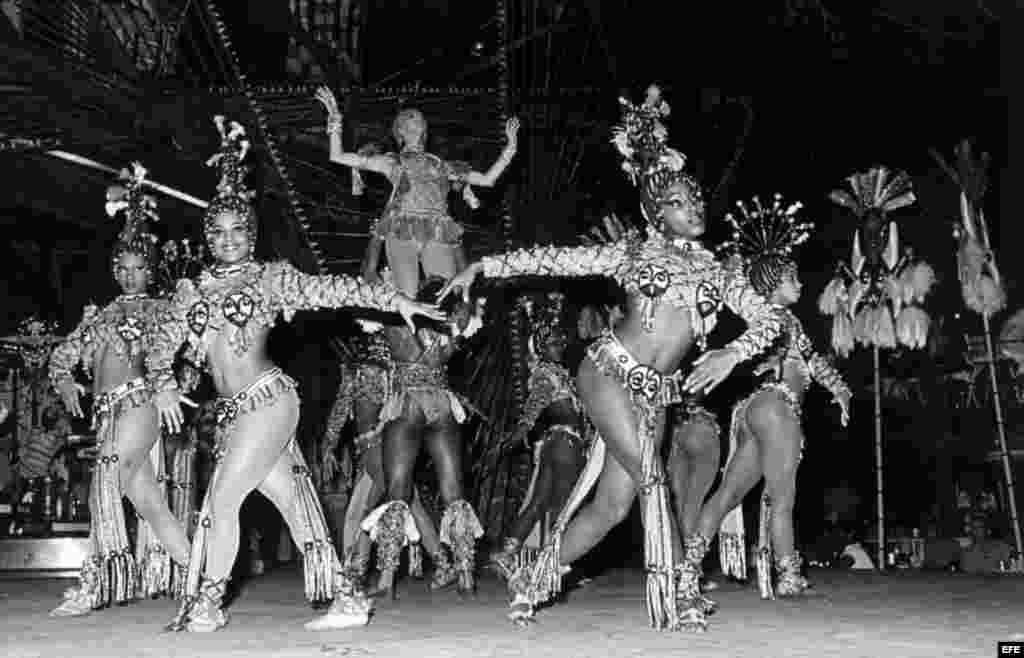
(875, 190)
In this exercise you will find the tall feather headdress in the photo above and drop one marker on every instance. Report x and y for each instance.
(232, 193)
(138, 210)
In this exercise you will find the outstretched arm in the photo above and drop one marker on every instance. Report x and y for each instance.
(170, 330)
(379, 163)
(542, 394)
(765, 322)
(492, 175)
(592, 260)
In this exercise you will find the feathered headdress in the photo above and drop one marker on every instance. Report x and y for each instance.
(232, 194)
(642, 140)
(764, 237)
(138, 211)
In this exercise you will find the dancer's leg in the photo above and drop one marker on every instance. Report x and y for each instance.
(543, 488)
(693, 463)
(138, 430)
(460, 527)
(567, 459)
(404, 261)
(443, 260)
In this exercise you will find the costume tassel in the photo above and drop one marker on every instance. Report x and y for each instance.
(732, 542)
(764, 551)
(416, 560)
(117, 572)
(154, 562)
(661, 586)
(319, 559)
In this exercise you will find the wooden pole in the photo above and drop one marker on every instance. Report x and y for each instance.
(879, 477)
(1001, 433)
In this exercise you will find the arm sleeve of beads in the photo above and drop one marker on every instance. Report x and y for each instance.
(68, 353)
(292, 290)
(169, 332)
(822, 371)
(590, 260)
(542, 393)
(341, 411)
(764, 321)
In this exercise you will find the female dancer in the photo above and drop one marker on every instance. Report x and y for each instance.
(674, 290)
(561, 452)
(765, 436)
(362, 396)
(111, 344)
(422, 411)
(416, 229)
(224, 319)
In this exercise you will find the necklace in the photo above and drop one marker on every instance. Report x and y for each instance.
(132, 297)
(221, 271)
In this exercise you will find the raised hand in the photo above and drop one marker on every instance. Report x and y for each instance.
(326, 98)
(512, 132)
(843, 400)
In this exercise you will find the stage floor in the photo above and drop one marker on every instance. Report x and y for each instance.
(871, 615)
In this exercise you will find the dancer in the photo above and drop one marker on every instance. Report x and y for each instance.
(415, 229)
(674, 289)
(765, 437)
(224, 319)
(111, 344)
(422, 411)
(362, 396)
(561, 451)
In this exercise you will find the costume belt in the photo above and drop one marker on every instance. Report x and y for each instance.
(643, 381)
(409, 375)
(105, 404)
(228, 408)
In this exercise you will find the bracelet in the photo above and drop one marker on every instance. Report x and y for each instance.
(334, 126)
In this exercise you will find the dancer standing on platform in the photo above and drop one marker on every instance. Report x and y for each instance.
(362, 395)
(416, 229)
(423, 412)
(674, 289)
(111, 344)
(561, 451)
(765, 437)
(224, 319)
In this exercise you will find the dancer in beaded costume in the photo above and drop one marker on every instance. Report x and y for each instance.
(765, 437)
(423, 412)
(415, 229)
(224, 319)
(561, 451)
(361, 397)
(111, 344)
(674, 290)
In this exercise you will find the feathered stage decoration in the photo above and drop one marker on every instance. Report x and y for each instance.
(876, 299)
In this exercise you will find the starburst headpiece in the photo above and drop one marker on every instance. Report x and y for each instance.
(138, 210)
(642, 140)
(232, 194)
(764, 237)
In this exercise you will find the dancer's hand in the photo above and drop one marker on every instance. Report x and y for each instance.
(409, 309)
(711, 369)
(326, 98)
(512, 132)
(843, 400)
(329, 464)
(71, 393)
(461, 281)
(774, 366)
(168, 406)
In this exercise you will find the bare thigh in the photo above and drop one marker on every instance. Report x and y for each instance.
(404, 261)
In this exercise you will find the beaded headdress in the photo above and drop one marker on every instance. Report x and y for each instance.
(232, 194)
(642, 140)
(763, 238)
(138, 210)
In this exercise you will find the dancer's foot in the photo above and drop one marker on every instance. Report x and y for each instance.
(790, 582)
(206, 615)
(521, 612)
(346, 611)
(467, 583)
(385, 584)
(76, 603)
(444, 577)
